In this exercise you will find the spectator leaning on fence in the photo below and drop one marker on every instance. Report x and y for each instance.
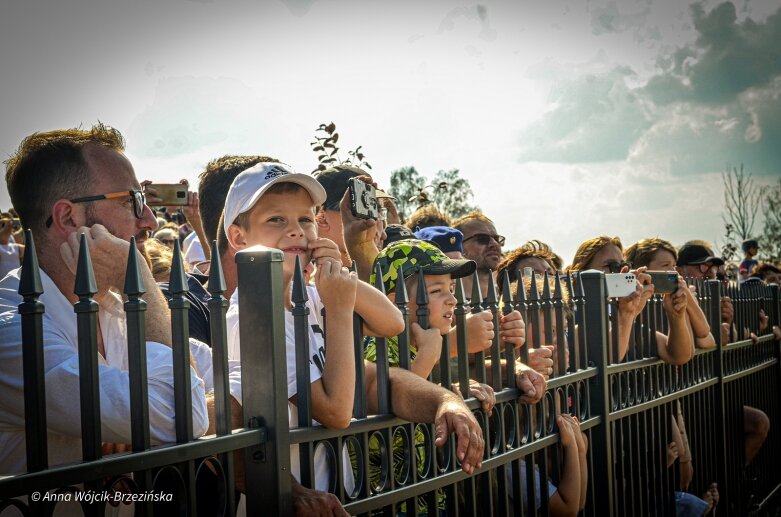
(480, 327)
(605, 254)
(541, 355)
(659, 255)
(406, 260)
(270, 205)
(48, 179)
(696, 260)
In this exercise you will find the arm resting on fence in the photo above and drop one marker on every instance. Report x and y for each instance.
(418, 400)
(699, 324)
(380, 316)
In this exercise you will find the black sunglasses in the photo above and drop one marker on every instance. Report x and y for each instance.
(615, 267)
(139, 201)
(485, 238)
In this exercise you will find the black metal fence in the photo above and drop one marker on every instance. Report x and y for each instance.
(625, 408)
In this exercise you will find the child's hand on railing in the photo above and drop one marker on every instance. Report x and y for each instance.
(479, 331)
(531, 383)
(429, 346)
(485, 394)
(541, 360)
(512, 329)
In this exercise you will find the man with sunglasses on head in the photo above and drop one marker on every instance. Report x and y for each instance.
(481, 244)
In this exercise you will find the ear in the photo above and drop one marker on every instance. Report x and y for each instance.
(66, 217)
(237, 238)
(391, 296)
(322, 221)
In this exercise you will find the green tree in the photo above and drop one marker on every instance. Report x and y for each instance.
(447, 190)
(454, 198)
(771, 238)
(405, 185)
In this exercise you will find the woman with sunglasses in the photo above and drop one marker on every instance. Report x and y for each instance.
(606, 254)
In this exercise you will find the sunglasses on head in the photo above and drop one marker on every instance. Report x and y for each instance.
(484, 239)
(616, 267)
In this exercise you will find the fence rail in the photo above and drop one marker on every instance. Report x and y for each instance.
(627, 407)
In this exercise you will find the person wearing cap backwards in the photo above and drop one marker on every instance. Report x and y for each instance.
(270, 205)
(359, 240)
(750, 247)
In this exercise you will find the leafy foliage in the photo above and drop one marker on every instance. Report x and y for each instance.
(729, 251)
(327, 151)
(771, 238)
(448, 191)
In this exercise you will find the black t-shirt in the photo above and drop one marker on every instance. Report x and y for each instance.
(198, 314)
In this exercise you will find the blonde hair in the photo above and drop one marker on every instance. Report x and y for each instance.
(588, 249)
(159, 258)
(530, 249)
(641, 253)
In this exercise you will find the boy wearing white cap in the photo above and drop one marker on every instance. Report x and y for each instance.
(270, 205)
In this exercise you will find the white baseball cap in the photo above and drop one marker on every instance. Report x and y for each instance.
(248, 186)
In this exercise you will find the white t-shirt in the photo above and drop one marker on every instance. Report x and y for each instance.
(61, 367)
(9, 257)
(193, 251)
(316, 362)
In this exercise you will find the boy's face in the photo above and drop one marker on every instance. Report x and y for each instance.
(285, 221)
(441, 302)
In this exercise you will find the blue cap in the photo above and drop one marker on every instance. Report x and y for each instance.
(444, 237)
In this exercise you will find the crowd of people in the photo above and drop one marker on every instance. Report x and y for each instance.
(65, 183)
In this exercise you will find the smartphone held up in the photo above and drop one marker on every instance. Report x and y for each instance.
(363, 199)
(167, 194)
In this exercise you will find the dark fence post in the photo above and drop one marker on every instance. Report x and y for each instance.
(218, 306)
(263, 378)
(135, 307)
(714, 292)
(593, 284)
(31, 311)
(180, 343)
(89, 384)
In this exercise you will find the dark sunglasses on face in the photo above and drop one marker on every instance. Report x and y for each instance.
(615, 267)
(139, 201)
(484, 239)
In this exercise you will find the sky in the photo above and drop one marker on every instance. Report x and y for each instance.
(570, 119)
